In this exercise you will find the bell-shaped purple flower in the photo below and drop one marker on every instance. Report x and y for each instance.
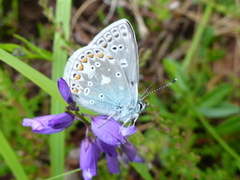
(64, 90)
(107, 130)
(111, 155)
(112, 163)
(43, 124)
(66, 94)
(89, 154)
(130, 153)
(63, 120)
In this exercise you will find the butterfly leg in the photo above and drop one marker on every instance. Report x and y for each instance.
(107, 119)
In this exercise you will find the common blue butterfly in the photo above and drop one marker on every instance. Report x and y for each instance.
(103, 76)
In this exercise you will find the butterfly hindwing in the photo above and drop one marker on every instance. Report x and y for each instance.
(97, 81)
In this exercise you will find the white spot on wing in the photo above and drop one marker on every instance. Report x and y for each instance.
(105, 80)
(123, 63)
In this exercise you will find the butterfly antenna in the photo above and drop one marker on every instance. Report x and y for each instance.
(143, 94)
(163, 87)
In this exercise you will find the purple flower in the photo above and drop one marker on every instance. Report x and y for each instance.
(66, 94)
(89, 154)
(113, 165)
(106, 148)
(65, 91)
(126, 131)
(111, 155)
(130, 153)
(107, 131)
(63, 120)
(49, 124)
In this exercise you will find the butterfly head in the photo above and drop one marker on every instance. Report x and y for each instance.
(141, 106)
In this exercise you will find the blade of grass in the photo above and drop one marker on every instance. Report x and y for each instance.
(42, 52)
(57, 141)
(11, 159)
(197, 37)
(65, 174)
(38, 78)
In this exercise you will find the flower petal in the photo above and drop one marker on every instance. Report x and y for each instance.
(106, 148)
(108, 131)
(88, 174)
(65, 91)
(40, 124)
(113, 165)
(126, 131)
(62, 120)
(89, 154)
(131, 152)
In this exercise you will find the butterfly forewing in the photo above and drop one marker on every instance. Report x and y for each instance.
(119, 39)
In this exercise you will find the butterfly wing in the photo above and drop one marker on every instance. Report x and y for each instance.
(103, 76)
(97, 81)
(119, 39)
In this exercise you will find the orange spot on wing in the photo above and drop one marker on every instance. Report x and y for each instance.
(84, 60)
(110, 57)
(80, 68)
(77, 77)
(75, 91)
(91, 55)
(100, 55)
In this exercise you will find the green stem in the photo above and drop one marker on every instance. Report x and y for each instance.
(57, 141)
(197, 37)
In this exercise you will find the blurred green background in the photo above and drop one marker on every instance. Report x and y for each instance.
(190, 130)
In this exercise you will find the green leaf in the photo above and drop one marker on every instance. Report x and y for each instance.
(215, 97)
(176, 71)
(42, 81)
(21, 51)
(223, 110)
(231, 125)
(41, 52)
(11, 159)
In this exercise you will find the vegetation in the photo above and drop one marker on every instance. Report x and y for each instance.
(189, 131)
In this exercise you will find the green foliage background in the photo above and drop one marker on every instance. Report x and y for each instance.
(189, 131)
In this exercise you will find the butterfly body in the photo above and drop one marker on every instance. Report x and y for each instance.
(103, 76)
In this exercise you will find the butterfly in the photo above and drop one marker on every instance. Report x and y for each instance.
(103, 76)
